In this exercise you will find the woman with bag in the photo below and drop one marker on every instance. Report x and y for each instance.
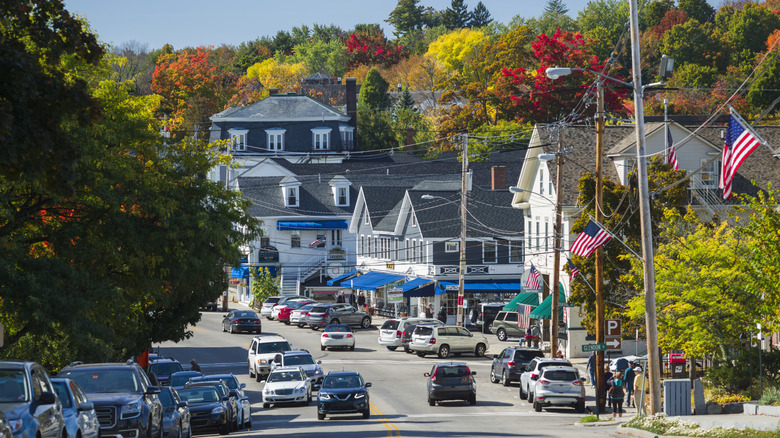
(616, 394)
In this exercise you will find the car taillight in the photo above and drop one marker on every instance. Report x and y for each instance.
(432, 341)
(324, 335)
(511, 363)
(534, 376)
(398, 333)
(576, 383)
(256, 321)
(544, 382)
(348, 335)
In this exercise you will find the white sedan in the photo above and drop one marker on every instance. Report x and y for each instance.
(287, 385)
(337, 335)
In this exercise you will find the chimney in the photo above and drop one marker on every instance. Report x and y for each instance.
(409, 139)
(498, 178)
(351, 100)
(273, 91)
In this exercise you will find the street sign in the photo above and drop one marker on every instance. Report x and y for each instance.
(612, 328)
(614, 343)
(593, 347)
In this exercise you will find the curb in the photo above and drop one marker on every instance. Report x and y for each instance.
(630, 431)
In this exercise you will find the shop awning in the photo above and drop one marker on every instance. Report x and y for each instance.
(482, 286)
(522, 298)
(242, 272)
(544, 310)
(347, 276)
(312, 225)
(419, 287)
(370, 280)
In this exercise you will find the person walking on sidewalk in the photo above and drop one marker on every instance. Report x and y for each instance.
(616, 394)
(592, 368)
(628, 376)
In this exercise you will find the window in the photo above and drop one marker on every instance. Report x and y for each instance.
(421, 252)
(366, 216)
(396, 249)
(335, 237)
(489, 254)
(541, 181)
(414, 220)
(319, 242)
(320, 139)
(451, 246)
(709, 174)
(342, 198)
(528, 232)
(515, 251)
(537, 236)
(295, 239)
(275, 139)
(375, 248)
(362, 247)
(551, 187)
(347, 137)
(265, 241)
(407, 248)
(413, 257)
(291, 196)
(546, 236)
(238, 139)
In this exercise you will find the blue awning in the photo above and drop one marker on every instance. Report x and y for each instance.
(482, 286)
(419, 287)
(370, 280)
(242, 272)
(347, 276)
(312, 225)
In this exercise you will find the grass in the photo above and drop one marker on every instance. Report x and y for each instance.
(661, 425)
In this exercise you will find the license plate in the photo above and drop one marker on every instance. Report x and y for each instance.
(337, 336)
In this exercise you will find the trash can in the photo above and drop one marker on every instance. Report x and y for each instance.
(677, 397)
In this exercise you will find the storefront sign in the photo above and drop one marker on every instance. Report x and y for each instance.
(268, 254)
(395, 295)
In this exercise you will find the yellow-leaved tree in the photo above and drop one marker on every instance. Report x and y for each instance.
(274, 74)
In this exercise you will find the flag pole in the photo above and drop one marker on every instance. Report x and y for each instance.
(742, 121)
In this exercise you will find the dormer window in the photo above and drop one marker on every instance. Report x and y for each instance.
(347, 137)
(339, 186)
(275, 139)
(291, 197)
(291, 191)
(342, 198)
(320, 139)
(238, 139)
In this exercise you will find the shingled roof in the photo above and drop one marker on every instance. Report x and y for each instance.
(282, 108)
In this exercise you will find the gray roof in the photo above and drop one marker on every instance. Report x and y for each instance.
(282, 108)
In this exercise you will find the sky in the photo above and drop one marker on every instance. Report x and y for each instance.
(192, 23)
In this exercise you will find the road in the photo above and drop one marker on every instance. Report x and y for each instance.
(398, 393)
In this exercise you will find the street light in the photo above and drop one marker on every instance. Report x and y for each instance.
(461, 253)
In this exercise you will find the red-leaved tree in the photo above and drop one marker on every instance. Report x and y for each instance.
(372, 48)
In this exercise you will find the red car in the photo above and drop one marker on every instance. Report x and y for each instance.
(284, 312)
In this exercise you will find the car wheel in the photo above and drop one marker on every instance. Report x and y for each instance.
(223, 328)
(258, 376)
(493, 378)
(392, 348)
(431, 402)
(266, 405)
(320, 416)
(501, 333)
(301, 325)
(420, 354)
(352, 347)
(314, 327)
(365, 322)
(530, 396)
(480, 350)
(367, 414)
(473, 399)
(537, 406)
(322, 348)
(581, 407)
(444, 351)
(230, 329)
(505, 379)
(251, 373)
(407, 350)
(224, 429)
(523, 395)
(189, 429)
(287, 323)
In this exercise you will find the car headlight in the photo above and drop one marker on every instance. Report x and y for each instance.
(218, 410)
(300, 389)
(318, 371)
(16, 425)
(360, 395)
(268, 391)
(262, 362)
(323, 396)
(170, 416)
(131, 410)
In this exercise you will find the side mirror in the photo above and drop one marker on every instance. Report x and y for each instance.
(495, 356)
(183, 404)
(226, 398)
(427, 374)
(152, 390)
(319, 362)
(233, 393)
(368, 384)
(242, 386)
(473, 373)
(47, 398)
(87, 406)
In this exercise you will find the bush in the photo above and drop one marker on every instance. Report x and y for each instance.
(589, 419)
(771, 396)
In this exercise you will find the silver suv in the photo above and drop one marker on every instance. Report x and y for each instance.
(262, 351)
(532, 372)
(447, 339)
(391, 331)
(560, 386)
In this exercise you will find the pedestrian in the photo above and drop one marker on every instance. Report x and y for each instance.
(607, 380)
(340, 298)
(194, 366)
(639, 379)
(442, 316)
(361, 301)
(591, 367)
(352, 300)
(616, 394)
(559, 354)
(628, 376)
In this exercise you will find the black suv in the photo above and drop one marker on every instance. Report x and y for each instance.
(163, 368)
(343, 392)
(510, 364)
(126, 403)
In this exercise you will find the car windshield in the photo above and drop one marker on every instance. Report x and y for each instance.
(245, 314)
(181, 379)
(200, 395)
(423, 330)
(12, 387)
(543, 365)
(94, 381)
(342, 381)
(61, 388)
(319, 309)
(296, 304)
(273, 347)
(230, 382)
(337, 328)
(560, 375)
(298, 359)
(285, 376)
(165, 368)
(390, 324)
(166, 398)
(306, 308)
(271, 301)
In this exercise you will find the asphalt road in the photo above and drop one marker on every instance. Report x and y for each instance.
(398, 395)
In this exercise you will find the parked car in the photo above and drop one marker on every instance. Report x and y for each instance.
(406, 335)
(337, 313)
(447, 339)
(261, 353)
(242, 321)
(279, 306)
(163, 368)
(270, 302)
(79, 413)
(510, 363)
(504, 325)
(391, 331)
(236, 391)
(343, 392)
(207, 409)
(286, 310)
(337, 335)
(559, 386)
(176, 414)
(179, 378)
(487, 312)
(214, 304)
(29, 401)
(532, 372)
(451, 381)
(304, 360)
(300, 315)
(5, 427)
(125, 400)
(287, 385)
(230, 403)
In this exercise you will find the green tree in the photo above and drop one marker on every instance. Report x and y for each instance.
(694, 76)
(407, 16)
(456, 16)
(554, 17)
(329, 58)
(264, 285)
(697, 9)
(480, 16)
(655, 11)
(747, 30)
(762, 91)
(375, 128)
(405, 102)
(693, 42)
(373, 91)
(612, 15)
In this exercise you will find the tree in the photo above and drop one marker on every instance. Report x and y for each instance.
(694, 42)
(697, 9)
(405, 102)
(274, 74)
(747, 31)
(320, 56)
(480, 16)
(456, 16)
(370, 47)
(264, 285)
(133, 62)
(373, 91)
(656, 10)
(555, 17)
(760, 95)
(407, 16)
(250, 53)
(612, 15)
(375, 128)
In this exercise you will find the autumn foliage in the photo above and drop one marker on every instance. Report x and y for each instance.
(370, 48)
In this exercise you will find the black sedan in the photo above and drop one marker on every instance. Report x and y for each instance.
(451, 381)
(206, 409)
(242, 321)
(176, 414)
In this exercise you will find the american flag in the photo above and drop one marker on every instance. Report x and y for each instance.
(533, 278)
(318, 243)
(671, 157)
(592, 237)
(523, 316)
(740, 142)
(573, 271)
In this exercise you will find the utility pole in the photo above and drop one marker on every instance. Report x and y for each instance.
(558, 233)
(601, 398)
(462, 265)
(647, 230)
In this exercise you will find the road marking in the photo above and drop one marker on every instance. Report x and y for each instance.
(392, 429)
(196, 329)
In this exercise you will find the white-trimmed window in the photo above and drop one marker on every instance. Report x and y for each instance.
(347, 137)
(709, 174)
(291, 196)
(295, 239)
(421, 252)
(335, 237)
(367, 222)
(397, 249)
(538, 234)
(541, 181)
(275, 139)
(546, 235)
(375, 252)
(407, 248)
(341, 196)
(362, 247)
(320, 139)
(515, 251)
(414, 220)
(489, 252)
(528, 235)
(451, 246)
(238, 139)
